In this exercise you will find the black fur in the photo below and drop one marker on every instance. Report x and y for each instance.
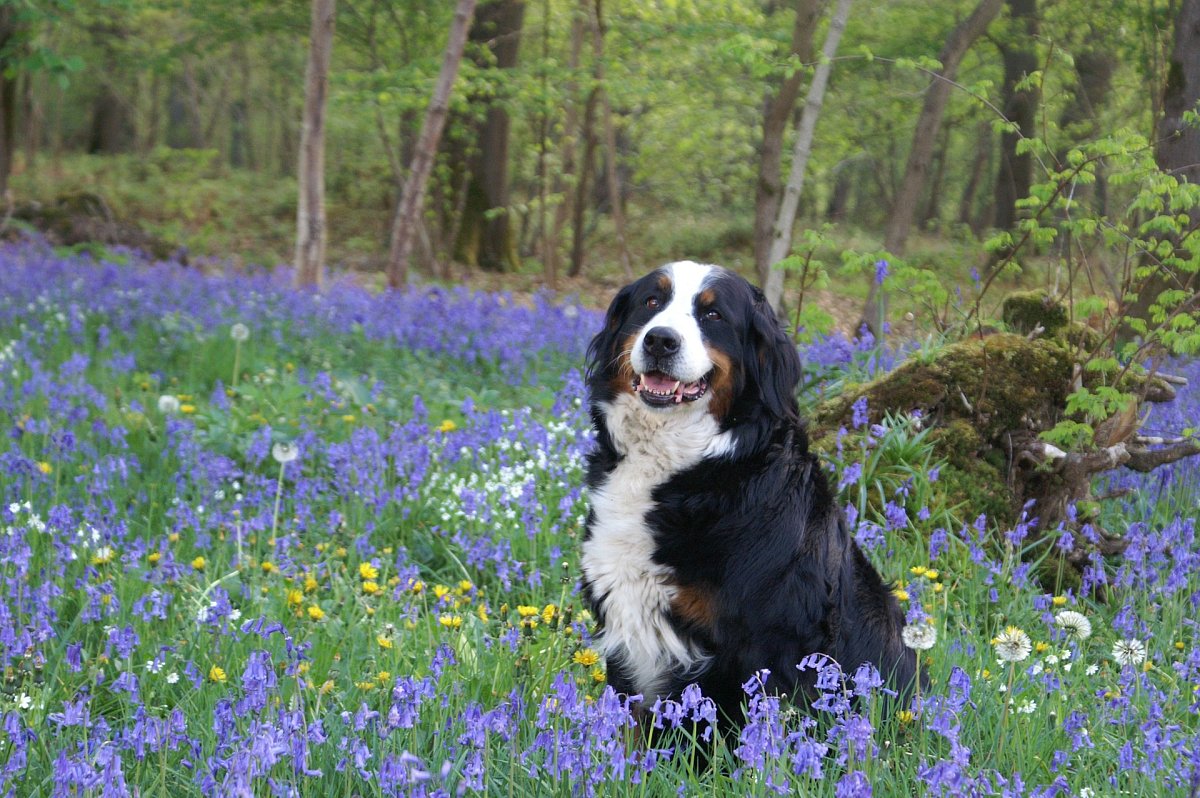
(759, 531)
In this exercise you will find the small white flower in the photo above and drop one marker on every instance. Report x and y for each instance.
(172, 677)
(285, 452)
(1129, 652)
(234, 614)
(168, 404)
(919, 636)
(1074, 624)
(239, 332)
(24, 701)
(154, 665)
(1092, 670)
(1027, 707)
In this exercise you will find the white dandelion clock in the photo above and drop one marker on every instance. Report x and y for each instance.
(1129, 652)
(1074, 624)
(919, 636)
(1012, 645)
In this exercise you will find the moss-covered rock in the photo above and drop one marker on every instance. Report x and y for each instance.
(1025, 311)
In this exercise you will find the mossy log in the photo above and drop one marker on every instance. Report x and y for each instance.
(84, 217)
(988, 399)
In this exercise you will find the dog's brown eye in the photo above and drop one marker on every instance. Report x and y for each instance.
(652, 303)
(712, 314)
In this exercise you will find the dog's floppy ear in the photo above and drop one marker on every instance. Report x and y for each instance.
(774, 363)
(602, 351)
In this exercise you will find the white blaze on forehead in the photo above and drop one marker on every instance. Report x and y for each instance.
(687, 280)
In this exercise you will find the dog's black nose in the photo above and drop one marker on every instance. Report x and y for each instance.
(661, 342)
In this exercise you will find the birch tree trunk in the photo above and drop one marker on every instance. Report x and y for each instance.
(776, 113)
(781, 241)
(406, 222)
(310, 211)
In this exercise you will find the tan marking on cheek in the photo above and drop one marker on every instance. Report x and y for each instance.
(622, 380)
(720, 384)
(695, 605)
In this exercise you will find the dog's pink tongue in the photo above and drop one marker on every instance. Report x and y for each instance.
(659, 382)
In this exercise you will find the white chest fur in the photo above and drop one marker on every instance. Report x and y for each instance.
(617, 558)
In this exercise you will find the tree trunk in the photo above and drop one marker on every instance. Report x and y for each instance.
(568, 170)
(920, 156)
(781, 236)
(408, 214)
(983, 148)
(929, 123)
(610, 146)
(310, 212)
(1177, 145)
(778, 109)
(8, 93)
(1020, 106)
(486, 239)
(587, 168)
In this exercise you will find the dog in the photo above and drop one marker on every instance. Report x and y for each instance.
(713, 546)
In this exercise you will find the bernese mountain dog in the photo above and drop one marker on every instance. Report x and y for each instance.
(714, 546)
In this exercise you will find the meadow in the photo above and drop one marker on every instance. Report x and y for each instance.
(255, 541)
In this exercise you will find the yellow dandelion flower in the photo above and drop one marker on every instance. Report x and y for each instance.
(450, 621)
(447, 426)
(937, 587)
(349, 418)
(370, 588)
(365, 685)
(416, 585)
(315, 612)
(586, 657)
(340, 552)
(918, 570)
(326, 686)
(526, 611)
(384, 677)
(45, 467)
(154, 557)
(597, 674)
(310, 583)
(173, 537)
(932, 574)
(295, 598)
(482, 612)
(900, 593)
(440, 591)
(1059, 601)
(1041, 647)
(198, 563)
(268, 567)
(368, 571)
(548, 613)
(187, 409)
(216, 674)
(1179, 645)
(383, 642)
(905, 716)
(465, 586)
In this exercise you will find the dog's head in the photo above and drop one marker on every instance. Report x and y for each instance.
(690, 335)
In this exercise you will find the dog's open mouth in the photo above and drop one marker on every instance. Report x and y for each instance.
(661, 390)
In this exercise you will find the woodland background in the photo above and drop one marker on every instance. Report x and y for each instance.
(186, 119)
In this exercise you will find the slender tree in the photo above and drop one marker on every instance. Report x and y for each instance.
(407, 218)
(777, 110)
(781, 237)
(925, 138)
(610, 145)
(1019, 54)
(485, 236)
(310, 212)
(1177, 144)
